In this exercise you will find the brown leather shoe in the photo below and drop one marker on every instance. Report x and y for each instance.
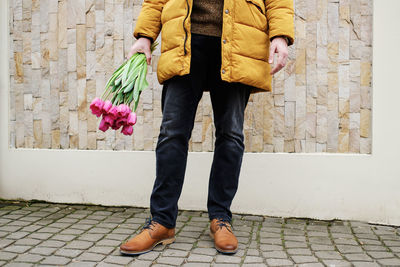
(224, 239)
(151, 235)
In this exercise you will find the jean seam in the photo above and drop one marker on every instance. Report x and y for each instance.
(163, 223)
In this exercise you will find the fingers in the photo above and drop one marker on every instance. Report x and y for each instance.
(282, 57)
(148, 56)
(142, 45)
(272, 49)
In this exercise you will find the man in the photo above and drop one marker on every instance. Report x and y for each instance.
(226, 48)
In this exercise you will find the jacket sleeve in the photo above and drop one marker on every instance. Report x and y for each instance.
(149, 20)
(280, 16)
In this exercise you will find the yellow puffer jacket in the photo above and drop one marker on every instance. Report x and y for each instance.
(248, 26)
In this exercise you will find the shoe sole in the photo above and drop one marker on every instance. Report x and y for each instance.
(163, 242)
(223, 251)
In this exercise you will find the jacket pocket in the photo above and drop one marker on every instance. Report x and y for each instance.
(259, 4)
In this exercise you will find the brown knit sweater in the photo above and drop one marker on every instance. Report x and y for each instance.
(206, 17)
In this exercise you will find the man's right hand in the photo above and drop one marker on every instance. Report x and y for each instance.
(142, 45)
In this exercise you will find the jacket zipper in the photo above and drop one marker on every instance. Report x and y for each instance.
(186, 34)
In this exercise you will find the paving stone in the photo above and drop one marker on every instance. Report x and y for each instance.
(322, 247)
(203, 244)
(366, 237)
(374, 248)
(299, 251)
(7, 255)
(275, 254)
(174, 253)
(227, 259)
(295, 238)
(348, 249)
(345, 241)
(304, 259)
(380, 254)
(17, 235)
(56, 260)
(101, 249)
(151, 256)
(3, 234)
(224, 265)
(17, 249)
(81, 264)
(41, 236)
(18, 264)
(199, 258)
(266, 247)
(70, 253)
(253, 259)
(48, 230)
(364, 264)
(65, 238)
(265, 234)
(140, 263)
(106, 264)
(394, 249)
(253, 218)
(196, 264)
(79, 244)
(46, 251)
(5, 242)
(271, 241)
(118, 259)
(323, 234)
(205, 251)
(315, 264)
(182, 246)
(392, 243)
(88, 256)
(11, 229)
(293, 244)
(28, 242)
(336, 263)
(320, 240)
(328, 255)
(279, 262)
(108, 242)
(170, 260)
(357, 257)
(253, 252)
(91, 237)
(27, 257)
(100, 230)
(52, 243)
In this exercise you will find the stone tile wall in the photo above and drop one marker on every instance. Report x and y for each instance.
(63, 51)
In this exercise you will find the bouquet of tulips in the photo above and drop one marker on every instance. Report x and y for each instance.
(123, 87)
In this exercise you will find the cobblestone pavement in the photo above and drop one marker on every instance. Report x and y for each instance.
(39, 234)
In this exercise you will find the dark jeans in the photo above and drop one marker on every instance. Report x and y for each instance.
(180, 97)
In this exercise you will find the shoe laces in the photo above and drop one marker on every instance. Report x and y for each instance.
(224, 223)
(148, 224)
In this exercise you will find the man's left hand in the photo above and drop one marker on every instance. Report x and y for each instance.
(280, 46)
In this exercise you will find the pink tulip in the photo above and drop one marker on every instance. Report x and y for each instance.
(96, 106)
(131, 120)
(127, 130)
(107, 106)
(113, 113)
(103, 125)
(123, 110)
(115, 126)
(108, 119)
(120, 122)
